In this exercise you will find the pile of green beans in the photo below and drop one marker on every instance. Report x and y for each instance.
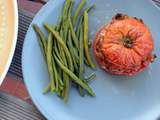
(66, 51)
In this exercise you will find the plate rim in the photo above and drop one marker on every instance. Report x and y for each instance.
(43, 10)
(14, 2)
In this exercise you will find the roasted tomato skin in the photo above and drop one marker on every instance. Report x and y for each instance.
(124, 46)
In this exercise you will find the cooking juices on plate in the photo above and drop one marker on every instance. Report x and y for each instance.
(123, 47)
(66, 50)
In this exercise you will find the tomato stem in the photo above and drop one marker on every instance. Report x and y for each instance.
(127, 42)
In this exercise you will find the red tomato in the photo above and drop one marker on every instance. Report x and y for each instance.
(124, 46)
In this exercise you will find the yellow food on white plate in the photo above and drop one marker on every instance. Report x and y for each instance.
(8, 34)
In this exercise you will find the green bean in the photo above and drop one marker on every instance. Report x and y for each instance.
(91, 77)
(74, 50)
(78, 31)
(80, 34)
(75, 65)
(74, 77)
(55, 45)
(49, 62)
(79, 26)
(74, 37)
(61, 53)
(59, 24)
(89, 8)
(79, 8)
(75, 53)
(67, 50)
(57, 53)
(65, 10)
(55, 74)
(59, 93)
(55, 70)
(60, 80)
(60, 88)
(70, 46)
(87, 54)
(65, 83)
(65, 77)
(70, 9)
(47, 89)
(81, 55)
(81, 91)
(65, 27)
(60, 73)
(87, 80)
(45, 49)
(65, 92)
(60, 41)
(81, 61)
(67, 87)
(61, 83)
(42, 39)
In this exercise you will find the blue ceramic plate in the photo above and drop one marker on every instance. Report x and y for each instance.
(118, 98)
